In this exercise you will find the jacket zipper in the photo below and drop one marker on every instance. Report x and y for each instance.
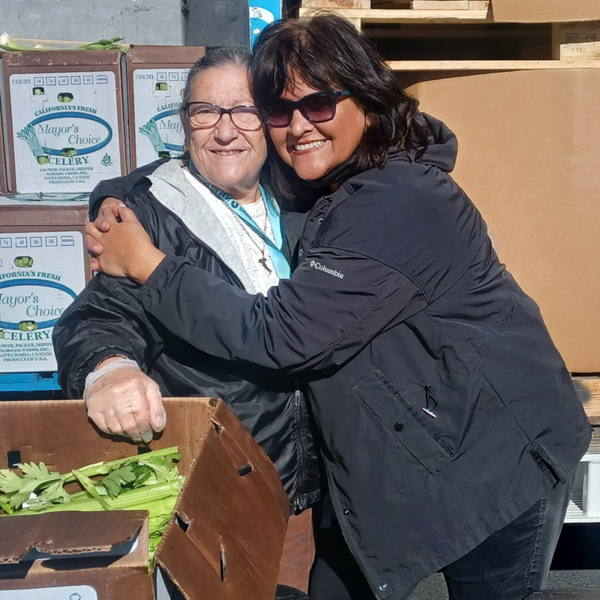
(298, 404)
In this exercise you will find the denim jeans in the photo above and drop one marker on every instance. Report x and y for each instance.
(509, 565)
(513, 562)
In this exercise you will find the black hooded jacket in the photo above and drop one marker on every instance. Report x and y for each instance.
(107, 319)
(445, 411)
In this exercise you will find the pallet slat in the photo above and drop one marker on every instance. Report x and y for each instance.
(588, 390)
(329, 4)
(440, 5)
(385, 15)
(489, 65)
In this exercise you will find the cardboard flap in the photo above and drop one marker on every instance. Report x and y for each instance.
(34, 426)
(227, 537)
(62, 58)
(165, 55)
(545, 11)
(70, 533)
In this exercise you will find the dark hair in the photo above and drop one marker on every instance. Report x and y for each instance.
(216, 56)
(327, 53)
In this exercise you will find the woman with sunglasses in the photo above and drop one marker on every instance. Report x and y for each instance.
(450, 428)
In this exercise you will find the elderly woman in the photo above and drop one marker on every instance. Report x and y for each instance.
(210, 210)
(450, 427)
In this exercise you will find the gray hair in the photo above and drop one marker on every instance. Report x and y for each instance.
(216, 56)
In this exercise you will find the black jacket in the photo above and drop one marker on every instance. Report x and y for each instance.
(400, 310)
(107, 319)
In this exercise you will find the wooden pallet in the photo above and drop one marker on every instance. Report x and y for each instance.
(406, 4)
(565, 41)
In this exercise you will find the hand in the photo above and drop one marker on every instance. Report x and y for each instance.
(127, 250)
(107, 215)
(126, 402)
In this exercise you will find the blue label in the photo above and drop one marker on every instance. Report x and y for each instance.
(75, 139)
(34, 312)
(262, 13)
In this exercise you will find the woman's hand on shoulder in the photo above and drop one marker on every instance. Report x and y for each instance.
(107, 215)
(126, 247)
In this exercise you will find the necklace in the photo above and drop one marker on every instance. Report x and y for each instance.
(261, 248)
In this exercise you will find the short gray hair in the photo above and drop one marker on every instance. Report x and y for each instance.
(216, 56)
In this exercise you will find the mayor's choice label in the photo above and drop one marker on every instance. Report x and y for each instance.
(71, 592)
(40, 275)
(157, 97)
(65, 128)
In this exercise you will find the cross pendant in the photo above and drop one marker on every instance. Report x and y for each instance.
(263, 262)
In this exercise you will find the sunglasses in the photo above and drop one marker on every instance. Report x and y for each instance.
(315, 108)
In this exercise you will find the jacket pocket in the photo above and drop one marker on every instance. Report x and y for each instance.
(410, 428)
(547, 466)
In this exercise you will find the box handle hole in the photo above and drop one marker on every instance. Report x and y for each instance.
(245, 470)
(223, 562)
(183, 524)
(13, 459)
(143, 450)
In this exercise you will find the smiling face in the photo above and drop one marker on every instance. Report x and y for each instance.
(226, 156)
(314, 149)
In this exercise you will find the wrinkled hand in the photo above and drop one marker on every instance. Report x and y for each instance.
(126, 402)
(107, 215)
(127, 250)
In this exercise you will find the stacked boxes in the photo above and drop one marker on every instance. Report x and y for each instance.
(156, 77)
(64, 115)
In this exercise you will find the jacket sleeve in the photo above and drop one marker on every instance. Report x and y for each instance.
(119, 187)
(334, 304)
(105, 320)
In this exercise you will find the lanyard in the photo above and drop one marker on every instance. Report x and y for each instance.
(282, 267)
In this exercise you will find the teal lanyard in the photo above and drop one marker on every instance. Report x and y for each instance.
(282, 267)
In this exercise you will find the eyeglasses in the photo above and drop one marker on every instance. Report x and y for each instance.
(204, 115)
(315, 108)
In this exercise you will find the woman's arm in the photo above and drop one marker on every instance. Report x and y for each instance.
(334, 304)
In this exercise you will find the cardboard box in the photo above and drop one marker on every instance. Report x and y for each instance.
(529, 160)
(79, 556)
(226, 536)
(156, 78)
(545, 11)
(43, 266)
(65, 119)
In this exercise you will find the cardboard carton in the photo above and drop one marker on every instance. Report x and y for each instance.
(65, 119)
(43, 266)
(226, 536)
(156, 78)
(45, 556)
(529, 159)
(545, 11)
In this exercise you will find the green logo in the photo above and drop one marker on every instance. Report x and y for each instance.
(106, 160)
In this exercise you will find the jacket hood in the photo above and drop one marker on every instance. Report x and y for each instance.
(442, 149)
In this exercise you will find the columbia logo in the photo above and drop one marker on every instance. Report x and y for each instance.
(320, 267)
